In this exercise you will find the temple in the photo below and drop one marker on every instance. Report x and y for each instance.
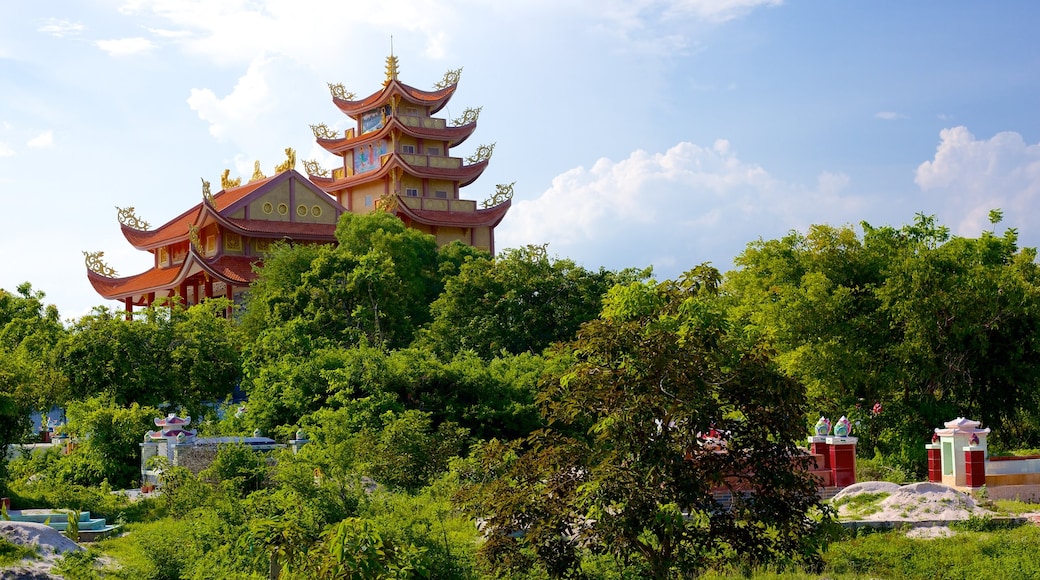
(209, 250)
(396, 159)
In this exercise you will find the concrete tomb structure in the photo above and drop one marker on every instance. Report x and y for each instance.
(958, 456)
(182, 447)
(834, 453)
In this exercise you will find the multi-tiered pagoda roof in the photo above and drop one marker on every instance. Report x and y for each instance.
(398, 157)
(212, 248)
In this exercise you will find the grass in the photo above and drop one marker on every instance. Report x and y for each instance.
(11, 554)
(1013, 506)
(861, 504)
(999, 553)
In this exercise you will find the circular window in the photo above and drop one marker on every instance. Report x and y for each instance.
(268, 208)
(283, 209)
(301, 210)
(315, 211)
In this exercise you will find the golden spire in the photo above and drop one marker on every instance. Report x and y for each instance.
(391, 69)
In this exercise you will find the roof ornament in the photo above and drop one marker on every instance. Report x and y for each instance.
(451, 77)
(313, 167)
(470, 115)
(483, 153)
(207, 197)
(387, 203)
(289, 163)
(128, 218)
(322, 131)
(503, 193)
(196, 239)
(96, 265)
(340, 92)
(257, 174)
(391, 69)
(227, 183)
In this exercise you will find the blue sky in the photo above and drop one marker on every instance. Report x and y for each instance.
(639, 132)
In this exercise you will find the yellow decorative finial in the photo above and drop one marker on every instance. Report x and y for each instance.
(227, 183)
(196, 239)
(98, 266)
(206, 195)
(128, 218)
(289, 163)
(257, 174)
(391, 69)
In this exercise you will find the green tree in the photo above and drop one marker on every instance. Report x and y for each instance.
(107, 443)
(520, 301)
(29, 331)
(167, 355)
(375, 284)
(930, 326)
(624, 467)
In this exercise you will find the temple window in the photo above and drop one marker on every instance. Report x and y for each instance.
(433, 150)
(368, 201)
(407, 148)
(411, 192)
(441, 194)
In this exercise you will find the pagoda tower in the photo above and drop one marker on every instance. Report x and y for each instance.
(211, 249)
(398, 158)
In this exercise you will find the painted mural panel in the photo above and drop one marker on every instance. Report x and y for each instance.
(374, 120)
(366, 158)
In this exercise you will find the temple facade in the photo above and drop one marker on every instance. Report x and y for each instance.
(396, 159)
(210, 250)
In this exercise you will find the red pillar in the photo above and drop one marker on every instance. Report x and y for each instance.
(843, 464)
(129, 301)
(823, 449)
(935, 464)
(974, 468)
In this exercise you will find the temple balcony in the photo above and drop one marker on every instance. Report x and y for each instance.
(438, 204)
(416, 160)
(426, 122)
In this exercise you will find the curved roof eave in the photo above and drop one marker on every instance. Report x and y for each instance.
(434, 99)
(465, 175)
(491, 216)
(454, 135)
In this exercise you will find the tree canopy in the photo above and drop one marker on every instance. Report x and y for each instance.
(626, 466)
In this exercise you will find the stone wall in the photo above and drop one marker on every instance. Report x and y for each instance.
(194, 457)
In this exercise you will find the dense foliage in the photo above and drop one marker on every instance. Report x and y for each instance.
(659, 410)
(925, 326)
(586, 419)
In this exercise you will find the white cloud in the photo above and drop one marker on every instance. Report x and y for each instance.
(126, 46)
(6, 151)
(829, 183)
(674, 209)
(235, 31)
(239, 109)
(60, 28)
(716, 10)
(889, 116)
(44, 140)
(973, 176)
